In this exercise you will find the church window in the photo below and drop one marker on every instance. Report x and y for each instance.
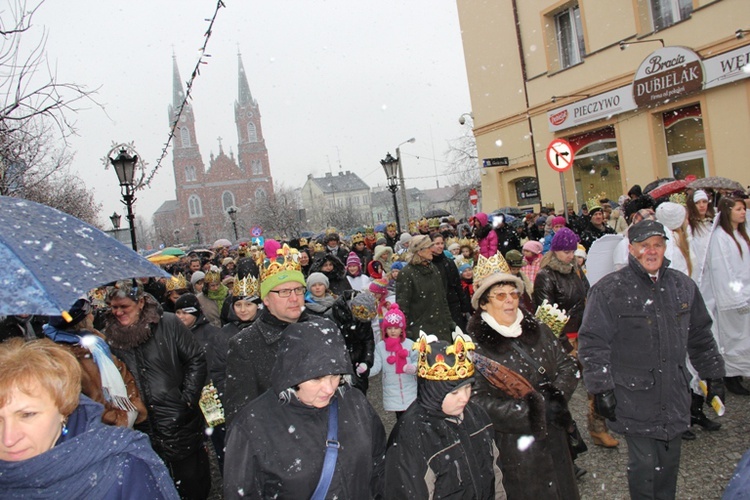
(190, 173)
(227, 200)
(185, 137)
(257, 167)
(260, 195)
(194, 206)
(252, 133)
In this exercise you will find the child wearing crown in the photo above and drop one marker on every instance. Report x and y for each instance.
(395, 358)
(443, 445)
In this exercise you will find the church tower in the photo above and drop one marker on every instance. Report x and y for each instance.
(251, 146)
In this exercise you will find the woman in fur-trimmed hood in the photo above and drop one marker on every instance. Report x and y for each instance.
(334, 270)
(545, 468)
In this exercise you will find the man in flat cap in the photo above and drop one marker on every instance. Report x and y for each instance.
(640, 324)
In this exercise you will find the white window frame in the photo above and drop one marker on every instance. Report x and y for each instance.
(573, 52)
(195, 208)
(691, 155)
(252, 132)
(185, 137)
(190, 173)
(673, 9)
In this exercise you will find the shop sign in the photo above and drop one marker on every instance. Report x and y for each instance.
(667, 74)
(728, 67)
(593, 108)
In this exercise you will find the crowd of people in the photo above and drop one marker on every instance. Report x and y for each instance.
(479, 330)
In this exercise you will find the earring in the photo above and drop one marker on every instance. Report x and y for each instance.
(65, 428)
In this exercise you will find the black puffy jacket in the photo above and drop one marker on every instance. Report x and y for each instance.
(458, 301)
(169, 369)
(565, 285)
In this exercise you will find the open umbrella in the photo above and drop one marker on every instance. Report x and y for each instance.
(172, 251)
(658, 182)
(51, 259)
(668, 188)
(436, 212)
(161, 259)
(221, 242)
(716, 183)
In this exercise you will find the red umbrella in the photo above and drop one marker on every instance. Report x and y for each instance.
(669, 188)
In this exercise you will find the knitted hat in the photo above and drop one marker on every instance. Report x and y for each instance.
(700, 195)
(564, 239)
(363, 306)
(353, 260)
(316, 278)
(541, 221)
(514, 258)
(580, 252)
(405, 237)
(379, 286)
(398, 265)
(419, 243)
(393, 318)
(227, 261)
(672, 215)
(78, 312)
(454, 246)
(558, 221)
(463, 267)
(189, 303)
(533, 246)
(197, 276)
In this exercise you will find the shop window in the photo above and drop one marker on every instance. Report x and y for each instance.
(596, 168)
(569, 32)
(665, 13)
(527, 191)
(686, 142)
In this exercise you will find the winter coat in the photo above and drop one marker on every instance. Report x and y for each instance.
(250, 358)
(92, 460)
(544, 469)
(507, 239)
(486, 237)
(634, 340)
(565, 285)
(458, 302)
(276, 444)
(337, 282)
(591, 233)
(360, 344)
(341, 252)
(221, 350)
(399, 389)
(358, 283)
(365, 256)
(169, 369)
(210, 309)
(432, 455)
(421, 297)
(209, 337)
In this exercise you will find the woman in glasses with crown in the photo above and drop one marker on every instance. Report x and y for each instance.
(531, 431)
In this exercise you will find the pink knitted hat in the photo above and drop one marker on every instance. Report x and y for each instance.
(393, 318)
(353, 260)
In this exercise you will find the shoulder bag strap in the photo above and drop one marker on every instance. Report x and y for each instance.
(332, 451)
(539, 368)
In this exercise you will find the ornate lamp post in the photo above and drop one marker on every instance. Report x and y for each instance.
(115, 218)
(232, 212)
(404, 200)
(124, 165)
(197, 226)
(391, 167)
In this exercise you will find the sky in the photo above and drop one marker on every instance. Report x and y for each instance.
(339, 84)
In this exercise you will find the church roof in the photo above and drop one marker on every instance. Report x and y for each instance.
(344, 181)
(168, 206)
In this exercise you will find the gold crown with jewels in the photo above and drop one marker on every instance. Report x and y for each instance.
(177, 283)
(287, 259)
(440, 370)
(552, 316)
(249, 286)
(486, 267)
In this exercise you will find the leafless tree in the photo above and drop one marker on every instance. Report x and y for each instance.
(36, 112)
(463, 170)
(278, 215)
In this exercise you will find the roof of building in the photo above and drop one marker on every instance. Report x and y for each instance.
(343, 182)
(167, 206)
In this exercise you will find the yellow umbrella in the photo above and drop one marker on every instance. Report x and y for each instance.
(160, 259)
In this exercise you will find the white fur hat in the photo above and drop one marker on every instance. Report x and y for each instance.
(672, 215)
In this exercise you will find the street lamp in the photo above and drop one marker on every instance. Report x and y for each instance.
(197, 225)
(115, 218)
(391, 167)
(404, 201)
(233, 217)
(176, 233)
(124, 165)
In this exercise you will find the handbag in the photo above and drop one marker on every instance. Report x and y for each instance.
(332, 452)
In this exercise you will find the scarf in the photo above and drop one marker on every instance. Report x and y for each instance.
(128, 337)
(319, 304)
(511, 331)
(218, 295)
(87, 463)
(398, 355)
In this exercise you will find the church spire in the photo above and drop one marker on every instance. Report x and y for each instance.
(177, 93)
(244, 97)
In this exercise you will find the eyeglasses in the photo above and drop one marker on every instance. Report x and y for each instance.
(502, 296)
(287, 292)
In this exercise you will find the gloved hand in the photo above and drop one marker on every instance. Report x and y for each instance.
(361, 368)
(715, 387)
(410, 369)
(605, 404)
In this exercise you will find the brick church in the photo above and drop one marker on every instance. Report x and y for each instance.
(204, 195)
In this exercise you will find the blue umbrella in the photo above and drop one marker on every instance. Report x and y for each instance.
(51, 259)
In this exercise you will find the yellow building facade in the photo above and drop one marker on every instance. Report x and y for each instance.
(641, 89)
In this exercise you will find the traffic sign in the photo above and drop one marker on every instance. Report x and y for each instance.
(560, 155)
(473, 196)
(496, 162)
(256, 231)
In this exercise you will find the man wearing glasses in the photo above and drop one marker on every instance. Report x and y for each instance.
(252, 352)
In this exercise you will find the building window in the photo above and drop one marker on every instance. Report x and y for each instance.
(252, 133)
(596, 168)
(190, 173)
(569, 30)
(260, 195)
(227, 200)
(256, 167)
(185, 137)
(665, 13)
(194, 206)
(686, 142)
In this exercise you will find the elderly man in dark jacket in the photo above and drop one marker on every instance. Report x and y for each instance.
(169, 368)
(639, 325)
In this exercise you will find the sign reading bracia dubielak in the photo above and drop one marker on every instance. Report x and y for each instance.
(667, 74)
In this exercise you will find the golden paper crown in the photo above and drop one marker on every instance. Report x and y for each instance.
(177, 283)
(552, 316)
(319, 247)
(331, 230)
(486, 267)
(593, 203)
(440, 370)
(412, 227)
(468, 242)
(287, 259)
(451, 241)
(358, 238)
(391, 225)
(303, 242)
(369, 230)
(423, 223)
(434, 222)
(249, 286)
(212, 277)
(680, 198)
